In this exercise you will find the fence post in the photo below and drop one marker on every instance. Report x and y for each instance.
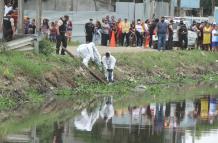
(36, 41)
(1, 18)
(39, 15)
(21, 17)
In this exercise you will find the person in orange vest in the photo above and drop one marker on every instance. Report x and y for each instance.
(113, 36)
(119, 31)
(125, 32)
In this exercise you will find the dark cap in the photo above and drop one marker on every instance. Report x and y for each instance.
(171, 21)
(10, 12)
(66, 17)
(107, 54)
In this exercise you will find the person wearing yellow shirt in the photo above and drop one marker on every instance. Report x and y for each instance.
(125, 32)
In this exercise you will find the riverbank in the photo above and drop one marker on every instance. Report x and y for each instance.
(29, 79)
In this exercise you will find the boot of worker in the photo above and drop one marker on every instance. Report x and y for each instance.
(57, 51)
(62, 52)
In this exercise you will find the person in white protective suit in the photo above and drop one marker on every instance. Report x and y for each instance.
(86, 121)
(109, 63)
(107, 110)
(89, 52)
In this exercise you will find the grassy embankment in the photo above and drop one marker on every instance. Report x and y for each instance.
(27, 78)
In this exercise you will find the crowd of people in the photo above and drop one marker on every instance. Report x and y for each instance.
(153, 33)
(139, 33)
(134, 34)
(207, 35)
(49, 29)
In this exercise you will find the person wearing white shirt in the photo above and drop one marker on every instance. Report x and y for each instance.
(8, 7)
(139, 33)
(215, 39)
(109, 62)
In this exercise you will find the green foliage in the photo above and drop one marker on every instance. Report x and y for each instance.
(26, 63)
(207, 6)
(34, 97)
(46, 47)
(74, 43)
(6, 72)
(29, 66)
(2, 46)
(173, 66)
(6, 103)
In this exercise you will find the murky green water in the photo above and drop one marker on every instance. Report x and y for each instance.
(188, 121)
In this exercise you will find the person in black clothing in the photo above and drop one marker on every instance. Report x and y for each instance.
(61, 37)
(151, 31)
(32, 27)
(89, 29)
(8, 27)
(183, 35)
(170, 36)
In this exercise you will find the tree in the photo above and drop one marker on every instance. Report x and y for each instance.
(208, 6)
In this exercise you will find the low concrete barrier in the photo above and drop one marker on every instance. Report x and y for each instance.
(29, 43)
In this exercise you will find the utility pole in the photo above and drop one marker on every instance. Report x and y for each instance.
(152, 8)
(21, 16)
(71, 7)
(109, 6)
(1, 17)
(39, 15)
(178, 7)
(170, 9)
(55, 5)
(213, 6)
(134, 10)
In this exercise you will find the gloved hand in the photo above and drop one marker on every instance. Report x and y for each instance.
(109, 70)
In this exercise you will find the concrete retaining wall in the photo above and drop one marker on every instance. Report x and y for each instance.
(70, 5)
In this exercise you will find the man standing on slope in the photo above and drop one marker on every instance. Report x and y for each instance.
(61, 37)
(109, 64)
(89, 29)
(8, 27)
(87, 52)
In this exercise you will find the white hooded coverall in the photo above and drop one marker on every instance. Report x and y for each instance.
(86, 121)
(87, 52)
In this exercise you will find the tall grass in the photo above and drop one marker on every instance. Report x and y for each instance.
(168, 62)
(13, 63)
